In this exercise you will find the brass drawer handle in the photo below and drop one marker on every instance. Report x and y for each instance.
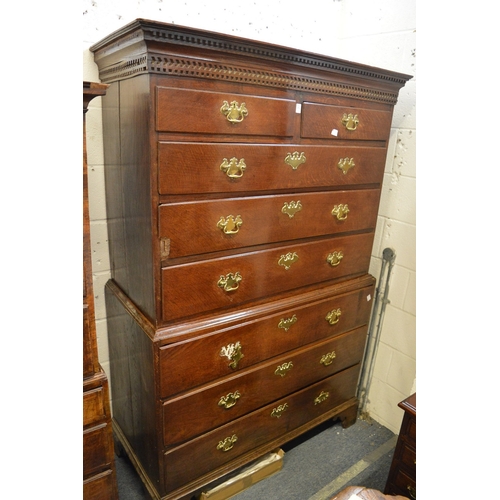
(230, 400)
(333, 317)
(228, 443)
(321, 398)
(291, 208)
(295, 159)
(350, 121)
(233, 353)
(230, 224)
(412, 491)
(327, 359)
(283, 369)
(340, 211)
(287, 260)
(230, 282)
(234, 112)
(287, 323)
(345, 164)
(233, 168)
(334, 258)
(279, 410)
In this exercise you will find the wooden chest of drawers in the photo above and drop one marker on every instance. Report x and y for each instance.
(242, 183)
(402, 478)
(99, 479)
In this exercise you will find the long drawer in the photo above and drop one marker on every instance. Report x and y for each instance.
(225, 443)
(208, 226)
(185, 168)
(211, 406)
(230, 350)
(228, 281)
(323, 121)
(205, 112)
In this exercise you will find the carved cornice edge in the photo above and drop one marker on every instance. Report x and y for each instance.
(178, 66)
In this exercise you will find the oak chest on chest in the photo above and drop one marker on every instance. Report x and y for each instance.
(242, 182)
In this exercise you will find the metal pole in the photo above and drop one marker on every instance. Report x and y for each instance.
(375, 328)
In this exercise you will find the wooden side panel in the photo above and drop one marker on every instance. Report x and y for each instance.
(132, 371)
(126, 116)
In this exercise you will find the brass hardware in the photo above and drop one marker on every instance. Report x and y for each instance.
(345, 164)
(228, 443)
(291, 208)
(350, 121)
(230, 224)
(295, 159)
(287, 260)
(230, 400)
(279, 410)
(233, 168)
(283, 369)
(234, 112)
(230, 282)
(412, 491)
(327, 359)
(287, 323)
(164, 248)
(333, 317)
(334, 258)
(340, 211)
(321, 398)
(233, 353)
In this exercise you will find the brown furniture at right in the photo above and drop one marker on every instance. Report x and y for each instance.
(402, 475)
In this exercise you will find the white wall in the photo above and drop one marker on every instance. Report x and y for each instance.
(375, 33)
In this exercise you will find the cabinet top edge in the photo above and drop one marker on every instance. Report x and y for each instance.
(147, 32)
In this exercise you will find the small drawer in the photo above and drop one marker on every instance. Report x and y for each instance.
(211, 406)
(231, 350)
(223, 444)
(404, 485)
(321, 121)
(408, 459)
(93, 406)
(208, 226)
(234, 168)
(203, 112)
(229, 281)
(97, 443)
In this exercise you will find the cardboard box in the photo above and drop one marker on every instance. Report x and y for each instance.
(265, 467)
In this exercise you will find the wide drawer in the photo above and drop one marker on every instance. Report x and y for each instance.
(322, 121)
(233, 349)
(255, 429)
(211, 406)
(229, 281)
(204, 112)
(213, 168)
(208, 226)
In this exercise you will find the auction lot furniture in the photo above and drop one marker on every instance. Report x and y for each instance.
(243, 181)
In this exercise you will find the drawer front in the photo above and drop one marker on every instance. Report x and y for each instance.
(323, 121)
(409, 460)
(404, 485)
(237, 167)
(96, 449)
(229, 281)
(203, 112)
(93, 406)
(220, 446)
(223, 401)
(224, 353)
(208, 226)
